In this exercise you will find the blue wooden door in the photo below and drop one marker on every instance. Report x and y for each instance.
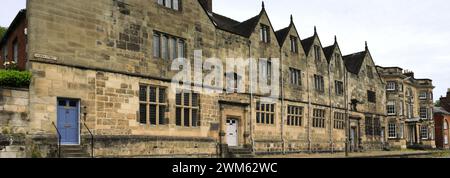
(68, 121)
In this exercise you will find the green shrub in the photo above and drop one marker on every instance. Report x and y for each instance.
(14, 78)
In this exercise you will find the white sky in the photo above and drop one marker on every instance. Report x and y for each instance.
(412, 34)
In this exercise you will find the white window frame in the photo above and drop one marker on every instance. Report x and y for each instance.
(391, 110)
(423, 95)
(445, 125)
(423, 112)
(391, 86)
(445, 139)
(392, 130)
(424, 133)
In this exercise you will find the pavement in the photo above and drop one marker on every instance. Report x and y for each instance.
(371, 154)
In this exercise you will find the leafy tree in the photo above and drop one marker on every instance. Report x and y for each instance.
(437, 104)
(2, 31)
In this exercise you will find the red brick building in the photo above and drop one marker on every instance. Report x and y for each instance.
(13, 44)
(442, 121)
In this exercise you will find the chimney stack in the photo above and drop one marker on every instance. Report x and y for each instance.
(207, 4)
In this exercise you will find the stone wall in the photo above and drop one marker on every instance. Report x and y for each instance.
(13, 122)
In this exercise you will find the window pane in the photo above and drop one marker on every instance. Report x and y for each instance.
(173, 46)
(178, 116)
(194, 118)
(165, 49)
(162, 115)
(195, 102)
(186, 99)
(258, 118)
(143, 93)
(143, 113)
(153, 114)
(178, 99)
(156, 45)
(175, 4)
(169, 3)
(186, 117)
(162, 95)
(181, 49)
(152, 94)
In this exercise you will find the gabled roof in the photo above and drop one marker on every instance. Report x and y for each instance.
(440, 110)
(307, 43)
(329, 50)
(282, 34)
(19, 17)
(354, 61)
(244, 29)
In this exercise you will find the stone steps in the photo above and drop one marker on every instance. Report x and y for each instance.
(74, 152)
(240, 153)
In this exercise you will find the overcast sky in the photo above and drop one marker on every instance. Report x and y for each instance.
(412, 34)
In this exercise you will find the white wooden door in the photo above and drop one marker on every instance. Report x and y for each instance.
(232, 132)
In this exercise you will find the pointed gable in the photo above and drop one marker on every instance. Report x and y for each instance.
(329, 50)
(353, 62)
(308, 43)
(282, 34)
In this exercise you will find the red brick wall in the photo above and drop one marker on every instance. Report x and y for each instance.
(19, 34)
(439, 120)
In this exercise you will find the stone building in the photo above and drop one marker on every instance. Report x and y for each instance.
(442, 120)
(104, 67)
(409, 108)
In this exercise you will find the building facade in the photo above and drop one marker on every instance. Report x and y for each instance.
(105, 67)
(442, 120)
(13, 43)
(409, 109)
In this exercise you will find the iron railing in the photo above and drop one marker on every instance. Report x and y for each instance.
(59, 139)
(92, 139)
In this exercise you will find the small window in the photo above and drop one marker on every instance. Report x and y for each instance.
(317, 52)
(167, 46)
(295, 116)
(391, 86)
(266, 70)
(152, 105)
(265, 33)
(187, 109)
(172, 4)
(265, 113)
(294, 44)
(445, 125)
(392, 130)
(16, 51)
(339, 120)
(423, 95)
(424, 132)
(339, 88)
(319, 118)
(319, 83)
(391, 108)
(423, 113)
(296, 76)
(371, 96)
(446, 139)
